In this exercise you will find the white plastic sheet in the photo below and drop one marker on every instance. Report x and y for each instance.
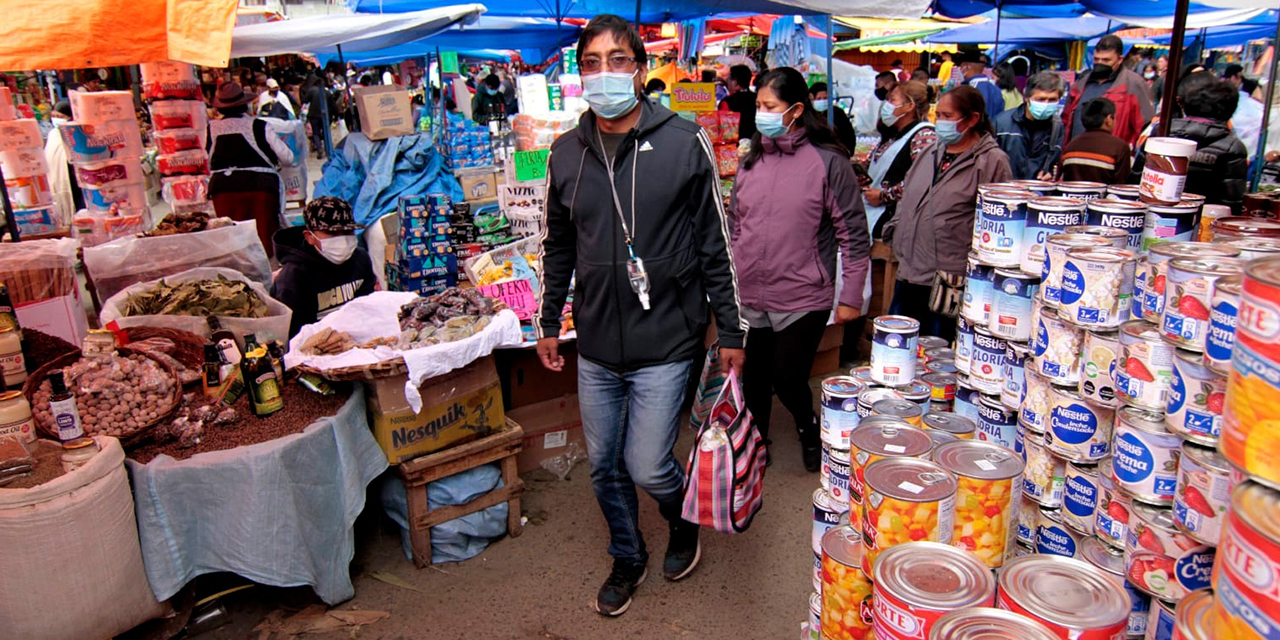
(375, 316)
(126, 261)
(275, 326)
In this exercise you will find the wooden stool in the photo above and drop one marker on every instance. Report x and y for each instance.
(501, 446)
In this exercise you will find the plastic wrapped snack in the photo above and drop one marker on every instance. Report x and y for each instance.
(710, 123)
(729, 127)
(179, 114)
(727, 159)
(171, 141)
(182, 190)
(191, 162)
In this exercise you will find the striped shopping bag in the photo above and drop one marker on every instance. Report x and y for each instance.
(724, 487)
(709, 386)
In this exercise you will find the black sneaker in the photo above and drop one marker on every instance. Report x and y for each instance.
(683, 552)
(615, 596)
(812, 457)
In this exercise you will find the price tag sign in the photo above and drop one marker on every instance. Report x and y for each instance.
(693, 96)
(517, 294)
(531, 165)
(448, 62)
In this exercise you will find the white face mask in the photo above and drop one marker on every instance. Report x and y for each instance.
(338, 249)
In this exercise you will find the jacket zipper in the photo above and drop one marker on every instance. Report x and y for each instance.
(613, 242)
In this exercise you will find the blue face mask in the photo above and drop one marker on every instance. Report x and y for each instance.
(1042, 110)
(491, 91)
(770, 124)
(948, 132)
(887, 115)
(821, 105)
(611, 95)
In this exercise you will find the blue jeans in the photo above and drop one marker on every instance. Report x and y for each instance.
(631, 420)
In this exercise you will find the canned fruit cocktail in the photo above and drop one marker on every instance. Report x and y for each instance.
(1251, 418)
(1185, 320)
(1096, 286)
(957, 425)
(879, 437)
(893, 350)
(873, 395)
(1196, 399)
(982, 623)
(1144, 372)
(989, 480)
(1145, 462)
(1075, 599)
(908, 500)
(904, 410)
(1246, 580)
(1162, 561)
(846, 591)
(1203, 494)
(917, 583)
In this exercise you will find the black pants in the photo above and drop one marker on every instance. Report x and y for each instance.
(912, 300)
(779, 362)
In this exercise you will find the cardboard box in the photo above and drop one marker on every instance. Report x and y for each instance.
(478, 184)
(549, 428)
(459, 406)
(384, 111)
(525, 381)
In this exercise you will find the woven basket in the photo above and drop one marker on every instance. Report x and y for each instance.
(139, 435)
(188, 347)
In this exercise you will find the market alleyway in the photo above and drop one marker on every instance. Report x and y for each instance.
(541, 585)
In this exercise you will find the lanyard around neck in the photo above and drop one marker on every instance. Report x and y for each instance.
(613, 189)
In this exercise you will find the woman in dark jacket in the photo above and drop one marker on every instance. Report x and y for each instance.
(906, 133)
(796, 204)
(933, 229)
(243, 158)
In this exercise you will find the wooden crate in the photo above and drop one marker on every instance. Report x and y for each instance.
(502, 447)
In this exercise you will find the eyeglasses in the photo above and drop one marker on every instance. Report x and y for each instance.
(617, 63)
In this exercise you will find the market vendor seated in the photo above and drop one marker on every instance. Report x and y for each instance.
(321, 265)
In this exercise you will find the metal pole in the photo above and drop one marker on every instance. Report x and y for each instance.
(831, 74)
(10, 222)
(351, 104)
(1260, 158)
(1175, 64)
(637, 15)
(996, 50)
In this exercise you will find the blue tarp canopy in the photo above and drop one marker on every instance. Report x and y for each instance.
(1216, 37)
(1027, 8)
(538, 37)
(654, 11)
(1027, 31)
(1142, 13)
(324, 34)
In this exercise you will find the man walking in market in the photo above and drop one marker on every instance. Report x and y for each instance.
(647, 256)
(1111, 80)
(1031, 133)
(973, 65)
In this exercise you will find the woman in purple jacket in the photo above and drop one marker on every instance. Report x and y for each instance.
(796, 205)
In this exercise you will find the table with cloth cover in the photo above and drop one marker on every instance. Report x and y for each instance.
(279, 513)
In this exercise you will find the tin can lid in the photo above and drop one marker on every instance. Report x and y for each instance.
(1061, 203)
(950, 422)
(1078, 239)
(897, 324)
(1090, 468)
(1052, 514)
(1208, 265)
(843, 386)
(843, 544)
(909, 479)
(1105, 477)
(940, 365)
(1102, 556)
(915, 390)
(1170, 147)
(996, 186)
(1099, 231)
(977, 459)
(897, 408)
(1111, 205)
(871, 396)
(1154, 517)
(1014, 196)
(822, 500)
(1265, 270)
(1181, 249)
(1258, 507)
(1140, 329)
(1035, 185)
(933, 575)
(1142, 420)
(1247, 225)
(863, 374)
(889, 436)
(943, 352)
(1207, 457)
(1023, 349)
(941, 437)
(938, 379)
(1123, 188)
(1184, 208)
(1194, 617)
(1064, 591)
(985, 623)
(1081, 185)
(815, 602)
(79, 443)
(1256, 245)
(932, 342)
(1101, 254)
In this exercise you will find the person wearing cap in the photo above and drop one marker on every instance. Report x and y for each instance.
(245, 183)
(974, 66)
(274, 103)
(322, 266)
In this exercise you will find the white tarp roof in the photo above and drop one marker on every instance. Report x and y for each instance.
(353, 32)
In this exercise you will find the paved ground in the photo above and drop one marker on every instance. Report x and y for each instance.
(541, 585)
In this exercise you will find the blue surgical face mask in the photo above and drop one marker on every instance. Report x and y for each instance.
(611, 95)
(947, 131)
(770, 124)
(887, 115)
(821, 105)
(491, 91)
(1042, 110)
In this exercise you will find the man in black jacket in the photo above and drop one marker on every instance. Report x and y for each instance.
(321, 265)
(1031, 134)
(741, 100)
(647, 256)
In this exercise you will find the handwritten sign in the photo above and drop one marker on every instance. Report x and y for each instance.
(448, 62)
(531, 165)
(693, 96)
(517, 294)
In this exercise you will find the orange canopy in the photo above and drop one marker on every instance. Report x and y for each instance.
(76, 34)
